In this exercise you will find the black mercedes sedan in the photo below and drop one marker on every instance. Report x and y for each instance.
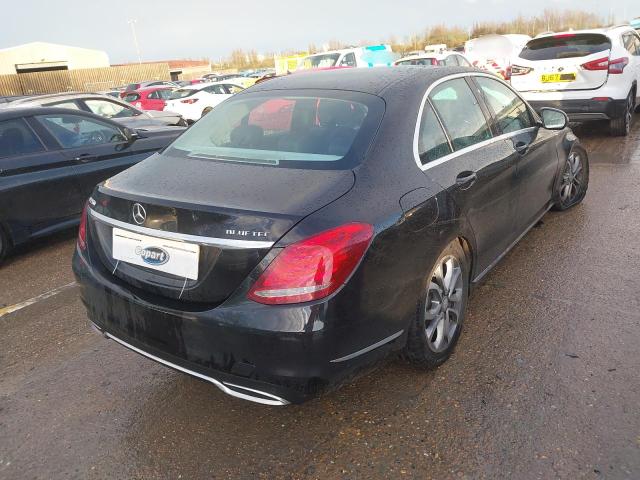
(314, 223)
(52, 158)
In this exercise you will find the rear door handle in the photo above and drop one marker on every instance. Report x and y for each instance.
(465, 179)
(85, 157)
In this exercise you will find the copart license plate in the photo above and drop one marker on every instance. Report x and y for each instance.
(176, 258)
(558, 77)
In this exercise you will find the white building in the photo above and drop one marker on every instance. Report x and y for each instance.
(42, 56)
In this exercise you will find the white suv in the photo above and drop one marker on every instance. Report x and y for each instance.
(590, 74)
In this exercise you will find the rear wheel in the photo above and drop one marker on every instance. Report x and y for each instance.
(620, 127)
(574, 180)
(441, 310)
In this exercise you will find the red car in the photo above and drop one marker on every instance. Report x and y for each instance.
(151, 98)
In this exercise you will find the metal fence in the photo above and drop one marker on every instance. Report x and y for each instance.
(84, 80)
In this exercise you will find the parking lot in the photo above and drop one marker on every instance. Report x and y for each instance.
(543, 384)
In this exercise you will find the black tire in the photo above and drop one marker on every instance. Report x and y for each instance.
(5, 244)
(621, 127)
(420, 349)
(571, 186)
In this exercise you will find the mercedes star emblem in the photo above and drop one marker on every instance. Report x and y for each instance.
(139, 213)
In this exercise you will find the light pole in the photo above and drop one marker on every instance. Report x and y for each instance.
(133, 22)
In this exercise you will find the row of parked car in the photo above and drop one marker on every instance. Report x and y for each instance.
(591, 75)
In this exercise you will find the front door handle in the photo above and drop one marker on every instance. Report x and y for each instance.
(521, 147)
(85, 157)
(465, 179)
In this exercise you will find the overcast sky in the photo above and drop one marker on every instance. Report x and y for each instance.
(169, 29)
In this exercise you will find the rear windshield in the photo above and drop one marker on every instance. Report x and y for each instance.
(324, 131)
(182, 93)
(131, 97)
(565, 46)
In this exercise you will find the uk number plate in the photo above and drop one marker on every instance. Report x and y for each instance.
(169, 256)
(558, 77)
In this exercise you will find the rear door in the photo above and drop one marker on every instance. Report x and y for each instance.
(153, 101)
(476, 169)
(567, 61)
(37, 185)
(534, 149)
(98, 149)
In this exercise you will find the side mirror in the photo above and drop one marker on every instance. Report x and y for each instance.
(554, 119)
(131, 135)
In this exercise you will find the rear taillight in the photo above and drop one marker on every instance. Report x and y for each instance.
(189, 100)
(616, 67)
(517, 70)
(599, 64)
(82, 230)
(313, 268)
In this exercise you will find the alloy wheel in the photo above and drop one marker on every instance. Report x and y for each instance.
(572, 179)
(443, 308)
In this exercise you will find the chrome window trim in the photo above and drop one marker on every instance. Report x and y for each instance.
(455, 154)
(181, 237)
(226, 387)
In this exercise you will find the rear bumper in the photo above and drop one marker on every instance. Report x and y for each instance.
(585, 110)
(270, 355)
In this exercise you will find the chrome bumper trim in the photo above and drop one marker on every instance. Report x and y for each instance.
(369, 348)
(216, 242)
(225, 387)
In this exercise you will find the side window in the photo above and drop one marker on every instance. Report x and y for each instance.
(164, 94)
(71, 105)
(154, 95)
(233, 89)
(511, 113)
(463, 61)
(461, 114)
(215, 89)
(451, 61)
(636, 41)
(349, 60)
(131, 97)
(627, 41)
(109, 109)
(76, 131)
(16, 138)
(432, 141)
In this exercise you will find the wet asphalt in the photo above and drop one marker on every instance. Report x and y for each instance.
(544, 383)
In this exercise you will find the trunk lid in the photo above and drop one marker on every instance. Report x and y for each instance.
(233, 212)
(560, 63)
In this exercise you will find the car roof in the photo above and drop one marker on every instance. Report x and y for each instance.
(56, 96)
(602, 31)
(200, 86)
(436, 55)
(151, 89)
(375, 80)
(28, 111)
